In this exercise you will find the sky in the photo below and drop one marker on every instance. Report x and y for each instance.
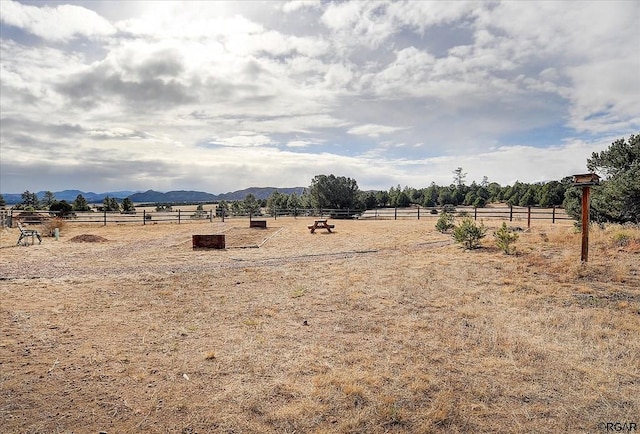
(219, 96)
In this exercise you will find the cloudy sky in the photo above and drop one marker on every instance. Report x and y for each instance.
(218, 96)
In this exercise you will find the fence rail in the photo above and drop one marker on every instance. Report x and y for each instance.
(510, 213)
(145, 217)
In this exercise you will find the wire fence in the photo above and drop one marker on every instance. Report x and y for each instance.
(144, 217)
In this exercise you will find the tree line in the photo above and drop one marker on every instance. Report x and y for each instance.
(616, 199)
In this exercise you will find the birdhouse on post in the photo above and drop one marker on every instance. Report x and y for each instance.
(585, 181)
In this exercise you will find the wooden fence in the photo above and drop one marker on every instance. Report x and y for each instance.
(145, 217)
(5, 221)
(509, 213)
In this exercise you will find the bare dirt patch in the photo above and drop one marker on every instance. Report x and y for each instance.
(381, 326)
(88, 238)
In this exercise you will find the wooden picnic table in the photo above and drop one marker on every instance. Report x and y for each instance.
(320, 224)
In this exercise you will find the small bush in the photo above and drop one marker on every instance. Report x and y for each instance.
(621, 239)
(504, 238)
(469, 234)
(445, 222)
(50, 226)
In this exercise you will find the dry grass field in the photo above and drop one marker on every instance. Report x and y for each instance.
(381, 326)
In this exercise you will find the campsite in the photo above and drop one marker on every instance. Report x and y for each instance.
(377, 326)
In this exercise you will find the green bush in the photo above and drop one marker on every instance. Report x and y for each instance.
(469, 234)
(504, 238)
(445, 222)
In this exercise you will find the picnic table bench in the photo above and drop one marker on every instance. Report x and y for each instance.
(25, 233)
(320, 224)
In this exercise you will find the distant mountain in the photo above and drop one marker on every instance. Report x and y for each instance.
(70, 196)
(182, 196)
(151, 196)
(259, 192)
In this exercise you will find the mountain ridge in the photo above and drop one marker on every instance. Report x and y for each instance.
(174, 196)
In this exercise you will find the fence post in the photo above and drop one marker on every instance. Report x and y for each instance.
(529, 217)
(144, 217)
(418, 212)
(475, 213)
(395, 213)
(178, 216)
(553, 215)
(510, 213)
(105, 216)
(211, 215)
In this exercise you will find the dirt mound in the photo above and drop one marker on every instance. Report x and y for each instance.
(87, 238)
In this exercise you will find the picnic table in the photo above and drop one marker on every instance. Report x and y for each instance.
(320, 224)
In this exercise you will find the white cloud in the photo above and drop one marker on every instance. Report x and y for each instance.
(58, 23)
(385, 92)
(295, 5)
(245, 139)
(299, 143)
(372, 130)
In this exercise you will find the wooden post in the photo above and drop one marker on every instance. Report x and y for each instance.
(585, 181)
(553, 215)
(475, 213)
(510, 213)
(584, 256)
(418, 212)
(144, 217)
(178, 216)
(395, 213)
(105, 216)
(529, 217)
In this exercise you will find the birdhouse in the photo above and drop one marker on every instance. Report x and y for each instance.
(586, 179)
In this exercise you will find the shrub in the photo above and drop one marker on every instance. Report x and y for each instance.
(62, 208)
(469, 234)
(445, 222)
(505, 237)
(621, 239)
(50, 226)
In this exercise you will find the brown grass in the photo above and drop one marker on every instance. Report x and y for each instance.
(382, 326)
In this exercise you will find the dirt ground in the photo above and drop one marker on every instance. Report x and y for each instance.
(380, 326)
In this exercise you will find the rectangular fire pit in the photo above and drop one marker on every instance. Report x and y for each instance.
(208, 241)
(258, 224)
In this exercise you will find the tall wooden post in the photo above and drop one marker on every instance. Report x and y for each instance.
(585, 181)
(586, 191)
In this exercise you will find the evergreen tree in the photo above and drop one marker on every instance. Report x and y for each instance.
(250, 205)
(80, 203)
(29, 200)
(48, 199)
(128, 207)
(617, 199)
